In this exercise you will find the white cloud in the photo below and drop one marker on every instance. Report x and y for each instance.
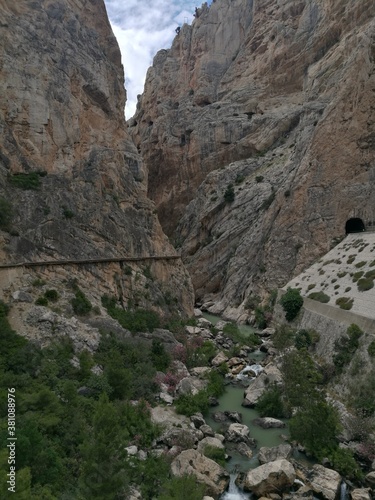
(142, 28)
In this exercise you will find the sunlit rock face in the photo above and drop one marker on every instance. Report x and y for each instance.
(276, 98)
(63, 133)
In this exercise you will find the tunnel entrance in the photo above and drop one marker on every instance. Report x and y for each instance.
(354, 225)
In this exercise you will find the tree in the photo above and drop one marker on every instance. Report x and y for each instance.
(291, 302)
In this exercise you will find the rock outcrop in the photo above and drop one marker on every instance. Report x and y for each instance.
(215, 477)
(257, 129)
(72, 184)
(270, 478)
(325, 482)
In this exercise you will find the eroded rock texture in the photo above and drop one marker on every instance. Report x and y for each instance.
(277, 99)
(62, 121)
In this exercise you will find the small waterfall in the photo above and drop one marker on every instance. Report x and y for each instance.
(344, 494)
(234, 493)
(254, 369)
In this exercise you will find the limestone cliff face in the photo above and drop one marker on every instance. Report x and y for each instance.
(63, 133)
(276, 98)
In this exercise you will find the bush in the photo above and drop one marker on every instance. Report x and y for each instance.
(187, 404)
(283, 337)
(365, 284)
(270, 403)
(346, 346)
(303, 339)
(140, 320)
(291, 302)
(81, 304)
(26, 181)
(371, 349)
(319, 296)
(41, 301)
(229, 194)
(343, 462)
(51, 295)
(182, 488)
(5, 214)
(259, 178)
(216, 454)
(345, 303)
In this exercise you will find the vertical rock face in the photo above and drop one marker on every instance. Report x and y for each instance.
(277, 99)
(63, 137)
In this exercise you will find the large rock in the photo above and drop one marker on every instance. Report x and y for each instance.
(273, 477)
(208, 472)
(370, 479)
(238, 433)
(266, 455)
(325, 481)
(255, 390)
(269, 423)
(190, 385)
(361, 494)
(219, 359)
(209, 441)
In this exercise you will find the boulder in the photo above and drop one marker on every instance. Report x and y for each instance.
(131, 450)
(207, 430)
(220, 325)
(361, 494)
(370, 478)
(175, 436)
(255, 390)
(190, 385)
(234, 362)
(200, 371)
(21, 296)
(234, 416)
(269, 423)
(219, 416)
(167, 398)
(273, 477)
(209, 441)
(219, 359)
(267, 455)
(238, 433)
(198, 420)
(244, 450)
(197, 313)
(325, 482)
(180, 369)
(208, 472)
(193, 330)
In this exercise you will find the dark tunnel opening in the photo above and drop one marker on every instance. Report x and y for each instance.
(354, 225)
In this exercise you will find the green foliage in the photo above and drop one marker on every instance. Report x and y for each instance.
(345, 303)
(26, 181)
(140, 320)
(41, 301)
(188, 404)
(283, 337)
(346, 346)
(38, 282)
(80, 303)
(67, 213)
(357, 275)
(182, 488)
(216, 454)
(229, 194)
(344, 462)
(160, 358)
(270, 403)
(365, 284)
(303, 339)
(316, 426)
(319, 296)
(371, 349)
(291, 302)
(51, 295)
(259, 178)
(6, 214)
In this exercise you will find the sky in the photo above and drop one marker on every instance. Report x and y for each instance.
(142, 28)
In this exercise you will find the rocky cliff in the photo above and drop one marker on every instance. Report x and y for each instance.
(72, 184)
(257, 128)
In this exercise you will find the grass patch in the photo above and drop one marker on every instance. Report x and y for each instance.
(319, 296)
(345, 303)
(26, 181)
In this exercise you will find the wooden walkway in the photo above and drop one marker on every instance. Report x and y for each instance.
(97, 260)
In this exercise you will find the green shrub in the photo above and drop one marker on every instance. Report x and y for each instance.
(6, 214)
(344, 462)
(303, 339)
(38, 282)
(357, 275)
(259, 178)
(283, 337)
(81, 304)
(291, 302)
(345, 303)
(311, 286)
(26, 181)
(270, 403)
(371, 349)
(319, 296)
(346, 346)
(229, 194)
(51, 295)
(216, 454)
(182, 488)
(41, 301)
(365, 284)
(67, 213)
(140, 320)
(188, 404)
(360, 264)
(370, 274)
